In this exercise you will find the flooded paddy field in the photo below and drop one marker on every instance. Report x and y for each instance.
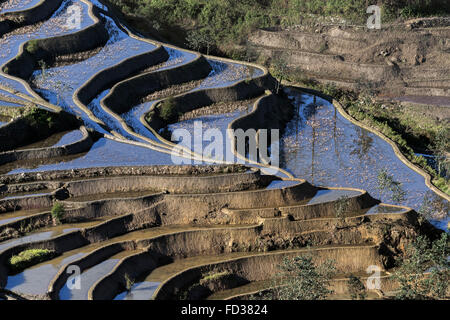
(326, 149)
(232, 217)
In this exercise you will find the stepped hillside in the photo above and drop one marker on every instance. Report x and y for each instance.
(88, 177)
(406, 62)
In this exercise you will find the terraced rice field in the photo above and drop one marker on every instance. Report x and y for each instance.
(131, 213)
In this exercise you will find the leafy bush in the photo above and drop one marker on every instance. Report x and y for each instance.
(167, 110)
(29, 258)
(356, 288)
(301, 279)
(424, 257)
(415, 8)
(32, 46)
(40, 118)
(58, 211)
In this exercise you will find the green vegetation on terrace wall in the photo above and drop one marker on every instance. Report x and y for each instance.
(228, 22)
(29, 258)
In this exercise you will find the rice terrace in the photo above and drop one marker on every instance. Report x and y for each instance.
(224, 150)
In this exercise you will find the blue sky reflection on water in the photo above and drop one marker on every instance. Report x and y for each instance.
(323, 147)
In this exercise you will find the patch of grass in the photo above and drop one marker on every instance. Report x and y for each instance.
(214, 276)
(29, 258)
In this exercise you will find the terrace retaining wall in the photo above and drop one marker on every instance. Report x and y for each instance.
(51, 152)
(47, 49)
(118, 72)
(270, 112)
(328, 209)
(31, 131)
(169, 247)
(199, 207)
(39, 12)
(166, 170)
(124, 95)
(242, 90)
(208, 184)
(83, 263)
(262, 267)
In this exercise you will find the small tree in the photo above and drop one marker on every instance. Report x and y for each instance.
(280, 69)
(207, 39)
(61, 89)
(424, 271)
(341, 207)
(426, 210)
(356, 288)
(301, 279)
(168, 110)
(43, 67)
(386, 182)
(250, 53)
(200, 39)
(57, 212)
(441, 148)
(193, 40)
(129, 282)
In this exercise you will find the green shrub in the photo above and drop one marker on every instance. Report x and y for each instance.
(32, 46)
(423, 256)
(39, 118)
(356, 288)
(442, 184)
(331, 90)
(167, 110)
(386, 182)
(29, 258)
(300, 278)
(58, 212)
